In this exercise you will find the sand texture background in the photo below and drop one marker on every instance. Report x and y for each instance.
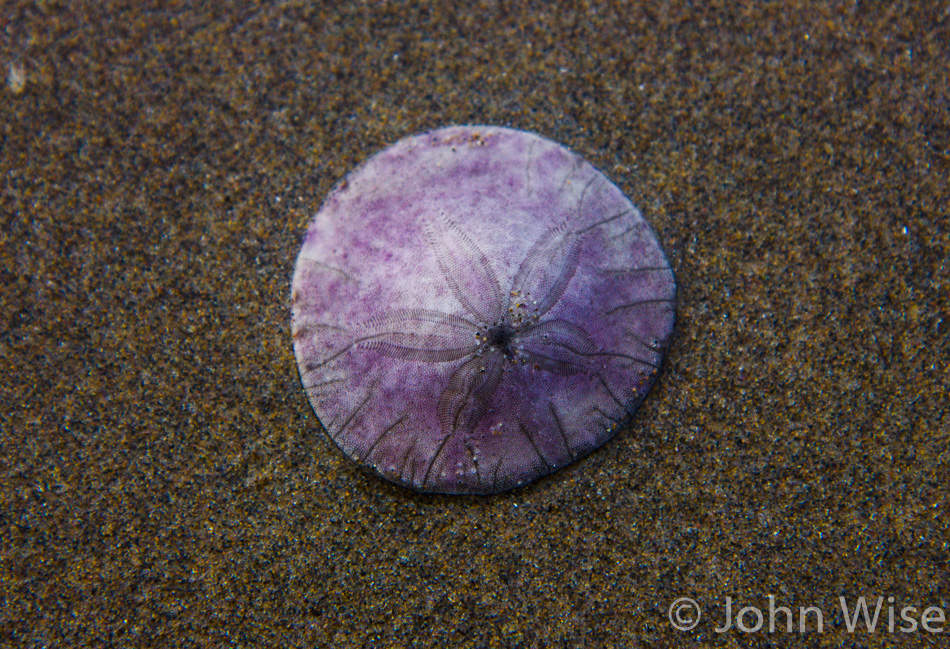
(163, 480)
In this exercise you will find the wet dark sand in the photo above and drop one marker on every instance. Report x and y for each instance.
(163, 480)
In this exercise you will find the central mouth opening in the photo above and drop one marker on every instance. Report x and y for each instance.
(501, 336)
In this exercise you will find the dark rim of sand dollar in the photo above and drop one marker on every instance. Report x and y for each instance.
(476, 307)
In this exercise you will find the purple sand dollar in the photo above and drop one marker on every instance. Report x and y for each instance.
(476, 307)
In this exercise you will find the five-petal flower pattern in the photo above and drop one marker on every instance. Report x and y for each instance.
(478, 307)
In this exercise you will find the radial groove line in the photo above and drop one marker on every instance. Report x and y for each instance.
(333, 269)
(494, 474)
(642, 342)
(560, 430)
(301, 330)
(583, 197)
(322, 363)
(659, 300)
(603, 222)
(405, 461)
(534, 446)
(606, 416)
(435, 457)
(624, 233)
(319, 388)
(619, 355)
(625, 271)
(350, 419)
(372, 447)
(609, 391)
